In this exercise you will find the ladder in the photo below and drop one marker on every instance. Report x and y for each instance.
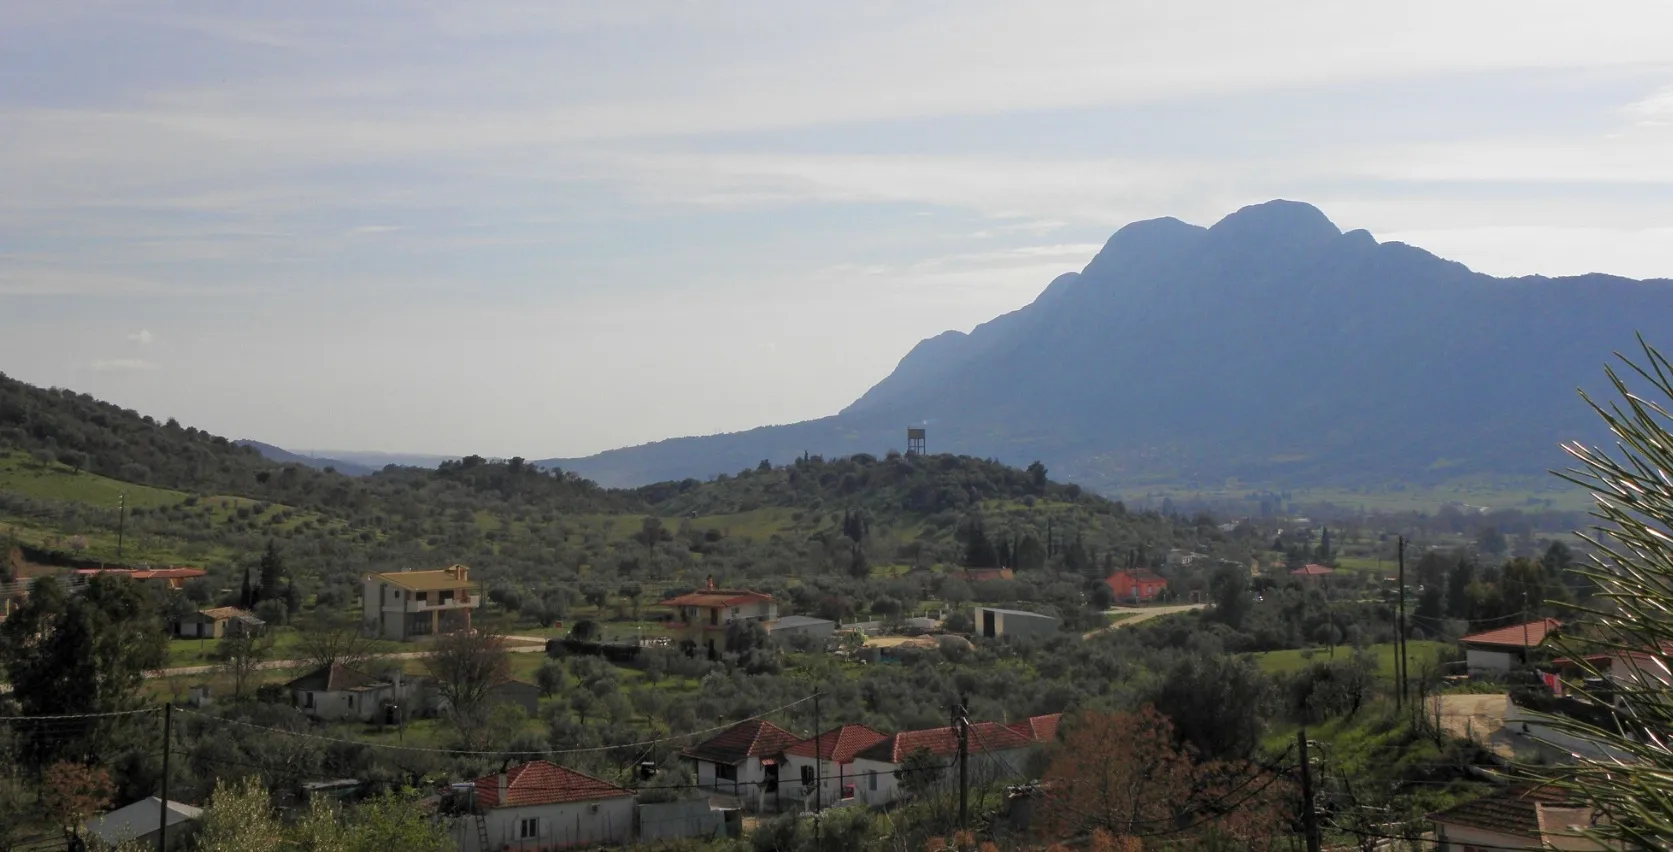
(482, 833)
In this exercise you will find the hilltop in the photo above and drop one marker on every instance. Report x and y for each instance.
(1272, 348)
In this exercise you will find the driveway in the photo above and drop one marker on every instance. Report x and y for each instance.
(1137, 614)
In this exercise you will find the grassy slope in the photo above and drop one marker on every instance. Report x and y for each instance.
(1286, 662)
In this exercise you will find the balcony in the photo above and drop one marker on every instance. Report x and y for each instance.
(413, 605)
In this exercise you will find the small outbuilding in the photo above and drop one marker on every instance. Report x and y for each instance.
(992, 623)
(141, 821)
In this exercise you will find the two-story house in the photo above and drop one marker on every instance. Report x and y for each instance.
(403, 604)
(703, 616)
(1136, 585)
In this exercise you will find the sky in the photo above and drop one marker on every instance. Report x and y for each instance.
(551, 228)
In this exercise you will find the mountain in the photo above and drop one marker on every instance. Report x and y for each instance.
(278, 454)
(1272, 348)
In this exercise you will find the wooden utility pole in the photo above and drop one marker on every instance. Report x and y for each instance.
(962, 721)
(818, 774)
(121, 522)
(1400, 640)
(162, 821)
(1309, 813)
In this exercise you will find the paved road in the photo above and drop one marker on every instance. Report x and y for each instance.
(1140, 614)
(534, 644)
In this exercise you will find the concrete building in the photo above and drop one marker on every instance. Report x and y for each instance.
(218, 623)
(339, 692)
(1495, 652)
(802, 625)
(139, 823)
(743, 760)
(702, 617)
(996, 752)
(403, 604)
(539, 806)
(992, 623)
(827, 762)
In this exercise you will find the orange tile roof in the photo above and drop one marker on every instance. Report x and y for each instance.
(438, 580)
(838, 744)
(1313, 570)
(222, 612)
(1041, 729)
(1529, 635)
(754, 738)
(146, 573)
(943, 742)
(1513, 810)
(541, 782)
(715, 598)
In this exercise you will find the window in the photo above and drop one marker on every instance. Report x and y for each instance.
(307, 699)
(528, 829)
(807, 776)
(447, 596)
(423, 597)
(726, 772)
(714, 616)
(871, 780)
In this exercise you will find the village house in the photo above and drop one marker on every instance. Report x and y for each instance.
(538, 806)
(996, 752)
(403, 604)
(743, 760)
(702, 617)
(1495, 652)
(826, 762)
(218, 623)
(1312, 571)
(1040, 729)
(1136, 585)
(983, 575)
(1514, 818)
(335, 692)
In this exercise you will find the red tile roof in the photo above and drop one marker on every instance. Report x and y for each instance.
(1313, 570)
(754, 738)
(1528, 635)
(1041, 729)
(338, 678)
(943, 742)
(541, 782)
(716, 598)
(838, 744)
(1509, 811)
(146, 573)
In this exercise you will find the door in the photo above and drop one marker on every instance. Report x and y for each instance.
(987, 623)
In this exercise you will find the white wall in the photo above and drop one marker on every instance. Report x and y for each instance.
(984, 768)
(832, 775)
(571, 824)
(1454, 838)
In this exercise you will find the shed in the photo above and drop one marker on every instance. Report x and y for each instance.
(140, 821)
(803, 625)
(993, 623)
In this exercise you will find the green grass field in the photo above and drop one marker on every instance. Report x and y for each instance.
(23, 474)
(1418, 653)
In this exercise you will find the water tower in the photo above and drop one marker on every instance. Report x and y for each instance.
(915, 442)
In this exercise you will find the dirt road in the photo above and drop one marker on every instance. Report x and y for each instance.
(1137, 614)
(519, 645)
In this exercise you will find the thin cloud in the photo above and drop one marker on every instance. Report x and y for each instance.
(121, 365)
(142, 337)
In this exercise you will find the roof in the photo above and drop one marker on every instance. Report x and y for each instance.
(1313, 570)
(221, 612)
(1041, 729)
(541, 782)
(336, 678)
(753, 738)
(146, 573)
(1017, 612)
(1138, 575)
(138, 819)
(1528, 635)
(801, 621)
(1561, 826)
(440, 579)
(1512, 810)
(716, 597)
(943, 742)
(838, 744)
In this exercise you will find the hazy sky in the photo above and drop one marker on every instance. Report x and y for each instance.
(551, 228)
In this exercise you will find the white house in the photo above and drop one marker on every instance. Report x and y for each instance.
(702, 617)
(743, 760)
(539, 806)
(1495, 652)
(339, 692)
(139, 823)
(829, 759)
(400, 605)
(1509, 819)
(997, 752)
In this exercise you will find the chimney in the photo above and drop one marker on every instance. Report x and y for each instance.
(711, 582)
(503, 785)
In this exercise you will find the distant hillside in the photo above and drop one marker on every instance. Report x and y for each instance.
(1271, 348)
(272, 453)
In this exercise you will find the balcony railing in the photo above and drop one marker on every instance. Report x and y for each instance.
(413, 605)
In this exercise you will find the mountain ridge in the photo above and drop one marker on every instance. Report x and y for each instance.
(1272, 346)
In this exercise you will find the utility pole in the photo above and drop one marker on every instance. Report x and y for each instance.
(818, 774)
(121, 522)
(1309, 815)
(962, 721)
(1400, 640)
(168, 731)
